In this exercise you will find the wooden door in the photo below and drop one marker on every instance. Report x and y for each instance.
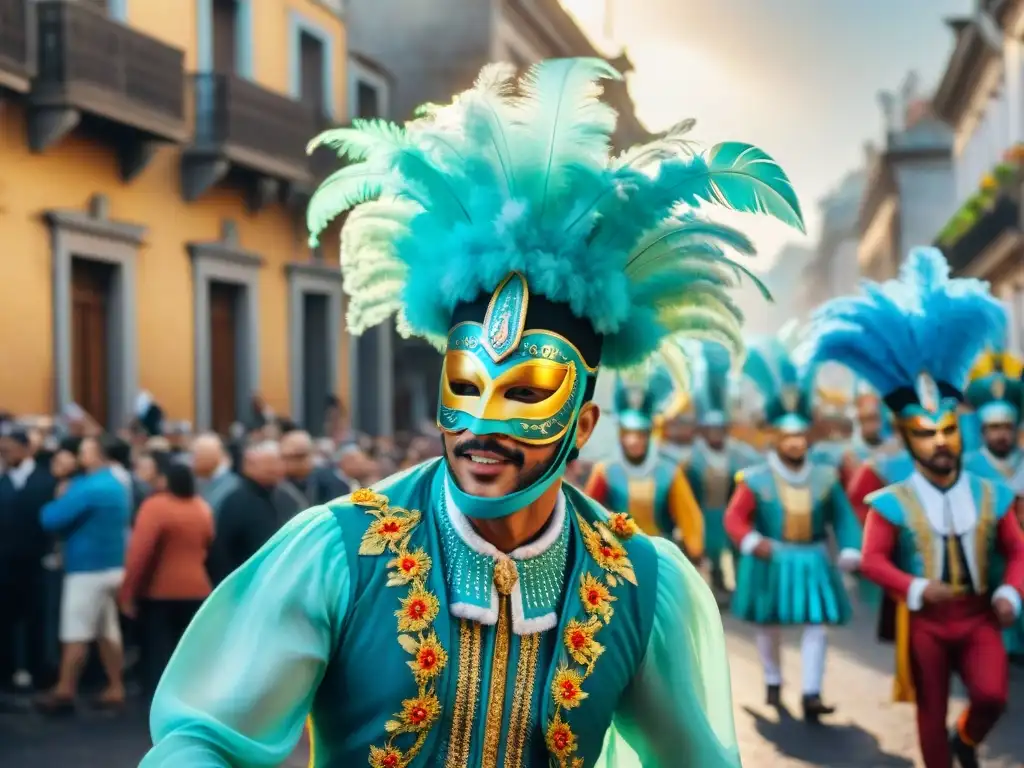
(311, 56)
(225, 36)
(90, 359)
(223, 355)
(316, 377)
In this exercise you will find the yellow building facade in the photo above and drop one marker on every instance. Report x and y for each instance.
(152, 186)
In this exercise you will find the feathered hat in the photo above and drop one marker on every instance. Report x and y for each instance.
(995, 387)
(913, 338)
(504, 215)
(640, 397)
(713, 385)
(770, 366)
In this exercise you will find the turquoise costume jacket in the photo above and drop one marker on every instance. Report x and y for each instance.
(919, 550)
(712, 476)
(1009, 471)
(829, 452)
(894, 468)
(798, 584)
(660, 476)
(385, 618)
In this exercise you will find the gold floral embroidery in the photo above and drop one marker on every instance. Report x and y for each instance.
(597, 598)
(623, 526)
(466, 693)
(390, 531)
(579, 636)
(580, 642)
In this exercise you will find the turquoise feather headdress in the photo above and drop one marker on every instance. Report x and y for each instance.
(914, 338)
(713, 390)
(640, 396)
(785, 387)
(518, 177)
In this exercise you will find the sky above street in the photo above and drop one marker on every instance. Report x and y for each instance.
(799, 78)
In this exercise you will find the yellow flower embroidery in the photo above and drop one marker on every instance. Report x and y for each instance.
(417, 716)
(597, 598)
(607, 551)
(560, 739)
(567, 688)
(429, 658)
(391, 530)
(580, 642)
(386, 757)
(580, 634)
(623, 526)
(408, 566)
(418, 611)
(366, 497)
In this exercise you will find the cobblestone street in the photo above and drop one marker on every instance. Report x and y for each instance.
(866, 732)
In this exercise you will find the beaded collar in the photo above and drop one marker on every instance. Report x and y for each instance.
(469, 568)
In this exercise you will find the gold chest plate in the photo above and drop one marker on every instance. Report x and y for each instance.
(798, 511)
(642, 492)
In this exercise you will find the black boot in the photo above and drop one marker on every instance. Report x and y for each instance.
(774, 697)
(963, 754)
(814, 708)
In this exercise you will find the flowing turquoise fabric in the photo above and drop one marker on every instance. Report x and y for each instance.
(241, 683)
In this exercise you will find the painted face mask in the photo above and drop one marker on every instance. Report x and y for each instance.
(500, 379)
(930, 425)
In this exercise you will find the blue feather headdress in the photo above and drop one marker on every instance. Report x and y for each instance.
(517, 177)
(713, 388)
(786, 389)
(914, 338)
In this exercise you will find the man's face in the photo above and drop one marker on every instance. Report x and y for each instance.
(715, 437)
(871, 427)
(89, 454)
(298, 458)
(493, 466)
(12, 452)
(792, 446)
(635, 443)
(145, 469)
(1000, 439)
(935, 443)
(680, 432)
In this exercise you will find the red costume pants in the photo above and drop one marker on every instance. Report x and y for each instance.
(960, 636)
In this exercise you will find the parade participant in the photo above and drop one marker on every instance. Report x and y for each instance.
(641, 481)
(932, 538)
(676, 429)
(475, 610)
(830, 430)
(717, 459)
(995, 390)
(779, 518)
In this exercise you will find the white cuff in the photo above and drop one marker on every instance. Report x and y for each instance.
(849, 560)
(750, 542)
(1011, 595)
(915, 595)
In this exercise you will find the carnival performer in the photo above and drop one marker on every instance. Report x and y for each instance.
(717, 459)
(995, 391)
(641, 481)
(779, 518)
(475, 610)
(830, 439)
(931, 539)
(676, 429)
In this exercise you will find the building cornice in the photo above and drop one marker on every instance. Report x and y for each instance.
(967, 63)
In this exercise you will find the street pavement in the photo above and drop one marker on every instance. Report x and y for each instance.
(866, 732)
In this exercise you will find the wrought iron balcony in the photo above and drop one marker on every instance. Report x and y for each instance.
(90, 65)
(17, 58)
(244, 126)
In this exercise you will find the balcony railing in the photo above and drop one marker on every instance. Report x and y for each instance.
(252, 126)
(92, 63)
(16, 45)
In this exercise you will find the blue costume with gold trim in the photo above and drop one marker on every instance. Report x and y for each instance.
(499, 228)
(712, 470)
(995, 390)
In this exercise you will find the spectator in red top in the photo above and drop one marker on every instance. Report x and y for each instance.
(165, 577)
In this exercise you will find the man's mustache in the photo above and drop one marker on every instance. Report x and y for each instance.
(489, 445)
